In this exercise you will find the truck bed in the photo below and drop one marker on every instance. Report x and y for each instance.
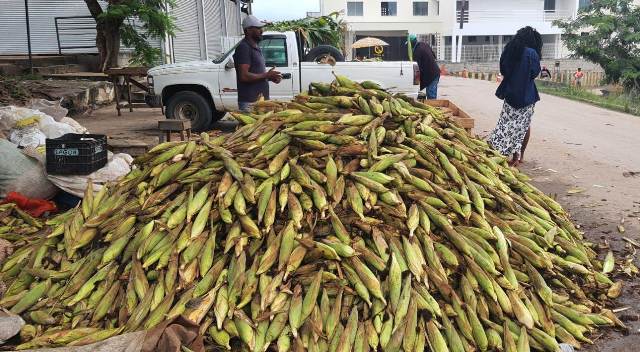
(393, 75)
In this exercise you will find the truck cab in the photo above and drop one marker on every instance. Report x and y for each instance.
(203, 91)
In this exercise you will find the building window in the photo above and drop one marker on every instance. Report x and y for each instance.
(549, 5)
(420, 8)
(487, 38)
(584, 4)
(472, 39)
(389, 8)
(354, 8)
(459, 10)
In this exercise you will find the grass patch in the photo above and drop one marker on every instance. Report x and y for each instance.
(618, 102)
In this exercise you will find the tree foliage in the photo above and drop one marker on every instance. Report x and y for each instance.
(608, 33)
(315, 31)
(116, 24)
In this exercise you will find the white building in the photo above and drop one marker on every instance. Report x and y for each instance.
(487, 24)
(206, 28)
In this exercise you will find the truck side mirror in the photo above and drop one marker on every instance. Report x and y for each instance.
(229, 65)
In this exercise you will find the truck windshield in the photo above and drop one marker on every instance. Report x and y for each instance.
(274, 48)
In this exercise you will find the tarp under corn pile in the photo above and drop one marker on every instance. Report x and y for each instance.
(349, 219)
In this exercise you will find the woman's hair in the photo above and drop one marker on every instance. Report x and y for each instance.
(526, 37)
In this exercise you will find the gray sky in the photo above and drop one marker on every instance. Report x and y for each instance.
(274, 10)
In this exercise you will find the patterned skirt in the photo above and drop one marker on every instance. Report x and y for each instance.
(512, 126)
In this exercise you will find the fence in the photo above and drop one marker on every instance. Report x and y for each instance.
(590, 79)
(492, 52)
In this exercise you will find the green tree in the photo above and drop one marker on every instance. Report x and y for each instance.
(608, 33)
(114, 26)
(315, 31)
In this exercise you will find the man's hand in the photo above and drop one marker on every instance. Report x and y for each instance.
(274, 76)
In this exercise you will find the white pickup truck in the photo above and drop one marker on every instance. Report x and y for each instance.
(202, 91)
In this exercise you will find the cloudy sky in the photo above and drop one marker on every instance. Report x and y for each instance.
(273, 10)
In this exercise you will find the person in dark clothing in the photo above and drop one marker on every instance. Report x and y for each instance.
(251, 72)
(545, 73)
(424, 56)
(519, 65)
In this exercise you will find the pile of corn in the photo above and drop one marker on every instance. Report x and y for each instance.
(16, 225)
(348, 220)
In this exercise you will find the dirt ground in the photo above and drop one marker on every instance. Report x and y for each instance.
(139, 125)
(584, 155)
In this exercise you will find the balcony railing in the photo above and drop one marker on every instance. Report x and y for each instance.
(524, 16)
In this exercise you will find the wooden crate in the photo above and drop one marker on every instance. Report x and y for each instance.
(460, 117)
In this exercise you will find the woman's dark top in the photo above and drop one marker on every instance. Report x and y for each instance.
(518, 87)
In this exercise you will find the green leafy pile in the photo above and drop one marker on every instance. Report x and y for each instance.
(315, 31)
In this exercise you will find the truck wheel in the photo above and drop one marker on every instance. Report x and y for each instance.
(188, 105)
(323, 52)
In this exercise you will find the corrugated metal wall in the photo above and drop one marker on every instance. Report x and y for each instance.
(213, 32)
(234, 27)
(219, 18)
(186, 43)
(213, 23)
(42, 16)
(13, 29)
(12, 21)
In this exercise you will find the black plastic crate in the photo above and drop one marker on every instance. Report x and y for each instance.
(76, 154)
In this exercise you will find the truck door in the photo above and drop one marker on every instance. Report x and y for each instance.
(276, 54)
(228, 83)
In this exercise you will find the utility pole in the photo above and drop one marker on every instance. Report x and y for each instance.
(26, 13)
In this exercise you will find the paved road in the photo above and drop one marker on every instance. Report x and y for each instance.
(578, 147)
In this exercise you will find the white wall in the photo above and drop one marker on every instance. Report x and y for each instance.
(372, 20)
(496, 17)
(487, 17)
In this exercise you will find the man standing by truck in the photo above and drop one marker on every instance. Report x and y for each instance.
(429, 71)
(251, 72)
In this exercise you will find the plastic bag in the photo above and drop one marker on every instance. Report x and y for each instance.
(131, 342)
(11, 116)
(54, 129)
(49, 107)
(168, 336)
(75, 125)
(29, 136)
(10, 325)
(117, 165)
(20, 173)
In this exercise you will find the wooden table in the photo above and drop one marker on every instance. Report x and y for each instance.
(128, 74)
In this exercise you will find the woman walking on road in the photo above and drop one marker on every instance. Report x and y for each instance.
(519, 66)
